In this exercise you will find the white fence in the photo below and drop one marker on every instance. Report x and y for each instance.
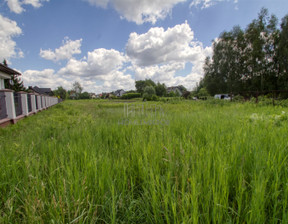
(17, 105)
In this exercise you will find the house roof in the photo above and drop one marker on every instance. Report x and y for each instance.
(40, 90)
(119, 90)
(8, 70)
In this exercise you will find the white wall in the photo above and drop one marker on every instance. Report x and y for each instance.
(2, 84)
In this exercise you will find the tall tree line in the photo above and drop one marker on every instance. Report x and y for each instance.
(254, 59)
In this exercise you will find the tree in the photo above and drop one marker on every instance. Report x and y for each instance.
(77, 88)
(84, 95)
(150, 90)
(15, 83)
(186, 94)
(5, 63)
(149, 93)
(141, 84)
(160, 89)
(282, 52)
(60, 92)
(249, 60)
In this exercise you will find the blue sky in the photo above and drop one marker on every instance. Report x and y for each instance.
(108, 44)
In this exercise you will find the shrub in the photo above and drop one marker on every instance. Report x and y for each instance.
(238, 98)
(131, 95)
(149, 97)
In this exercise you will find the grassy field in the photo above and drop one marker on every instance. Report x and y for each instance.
(188, 162)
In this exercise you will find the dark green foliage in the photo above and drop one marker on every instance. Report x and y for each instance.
(84, 95)
(251, 60)
(15, 83)
(141, 84)
(77, 89)
(160, 89)
(60, 92)
(131, 95)
(186, 94)
(5, 63)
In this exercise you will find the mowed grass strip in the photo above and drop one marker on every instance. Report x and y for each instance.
(204, 162)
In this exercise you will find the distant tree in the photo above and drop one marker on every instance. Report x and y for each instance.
(186, 94)
(182, 88)
(282, 52)
(160, 89)
(84, 95)
(5, 63)
(150, 90)
(77, 88)
(254, 59)
(141, 84)
(172, 94)
(60, 92)
(203, 93)
(149, 93)
(15, 83)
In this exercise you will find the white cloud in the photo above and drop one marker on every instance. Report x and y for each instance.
(168, 74)
(100, 3)
(159, 46)
(8, 30)
(161, 54)
(139, 11)
(44, 79)
(16, 5)
(66, 51)
(207, 3)
(99, 72)
(99, 62)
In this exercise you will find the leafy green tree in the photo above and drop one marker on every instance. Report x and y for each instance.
(282, 54)
(141, 84)
(150, 90)
(160, 89)
(251, 60)
(77, 88)
(149, 93)
(203, 93)
(15, 83)
(60, 92)
(5, 63)
(186, 94)
(84, 95)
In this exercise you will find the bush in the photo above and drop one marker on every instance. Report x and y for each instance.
(238, 98)
(131, 95)
(149, 97)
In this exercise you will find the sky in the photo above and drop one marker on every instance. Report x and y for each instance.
(107, 45)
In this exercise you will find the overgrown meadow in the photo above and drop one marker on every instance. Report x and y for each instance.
(190, 162)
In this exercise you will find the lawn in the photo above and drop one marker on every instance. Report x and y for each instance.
(174, 162)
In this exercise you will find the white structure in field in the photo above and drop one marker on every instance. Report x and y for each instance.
(222, 96)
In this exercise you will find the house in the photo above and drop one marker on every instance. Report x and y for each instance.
(92, 95)
(6, 73)
(175, 89)
(42, 91)
(119, 92)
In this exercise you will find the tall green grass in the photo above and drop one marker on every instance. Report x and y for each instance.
(211, 163)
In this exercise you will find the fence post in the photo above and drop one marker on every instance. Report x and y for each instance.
(33, 103)
(43, 102)
(24, 103)
(39, 102)
(10, 106)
